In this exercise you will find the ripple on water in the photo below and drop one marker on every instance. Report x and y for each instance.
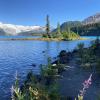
(20, 55)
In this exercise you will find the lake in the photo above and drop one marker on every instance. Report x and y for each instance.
(20, 55)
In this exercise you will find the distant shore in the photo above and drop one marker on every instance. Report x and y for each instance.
(40, 39)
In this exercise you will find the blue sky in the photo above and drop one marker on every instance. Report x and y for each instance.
(33, 12)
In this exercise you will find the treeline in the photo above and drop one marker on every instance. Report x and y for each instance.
(78, 27)
(67, 34)
(88, 30)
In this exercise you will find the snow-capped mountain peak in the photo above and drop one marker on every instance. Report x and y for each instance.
(11, 29)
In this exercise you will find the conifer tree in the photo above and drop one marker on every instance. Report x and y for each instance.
(48, 26)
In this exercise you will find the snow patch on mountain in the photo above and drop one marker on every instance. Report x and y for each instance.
(17, 29)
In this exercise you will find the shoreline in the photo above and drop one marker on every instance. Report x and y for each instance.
(40, 39)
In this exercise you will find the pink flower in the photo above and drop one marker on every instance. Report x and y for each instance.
(86, 85)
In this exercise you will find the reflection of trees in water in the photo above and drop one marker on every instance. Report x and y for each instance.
(46, 51)
(58, 46)
(52, 48)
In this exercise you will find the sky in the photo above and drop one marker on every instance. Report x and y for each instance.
(33, 12)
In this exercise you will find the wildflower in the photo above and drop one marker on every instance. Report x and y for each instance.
(86, 85)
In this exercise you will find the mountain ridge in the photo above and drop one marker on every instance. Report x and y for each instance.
(11, 29)
(90, 26)
(92, 19)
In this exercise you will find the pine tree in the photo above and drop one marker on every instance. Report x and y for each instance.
(48, 26)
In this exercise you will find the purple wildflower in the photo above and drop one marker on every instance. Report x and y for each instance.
(86, 85)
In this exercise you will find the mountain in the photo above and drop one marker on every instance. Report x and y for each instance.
(92, 19)
(10, 29)
(68, 24)
(92, 29)
(88, 27)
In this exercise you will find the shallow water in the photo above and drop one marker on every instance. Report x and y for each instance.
(20, 55)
